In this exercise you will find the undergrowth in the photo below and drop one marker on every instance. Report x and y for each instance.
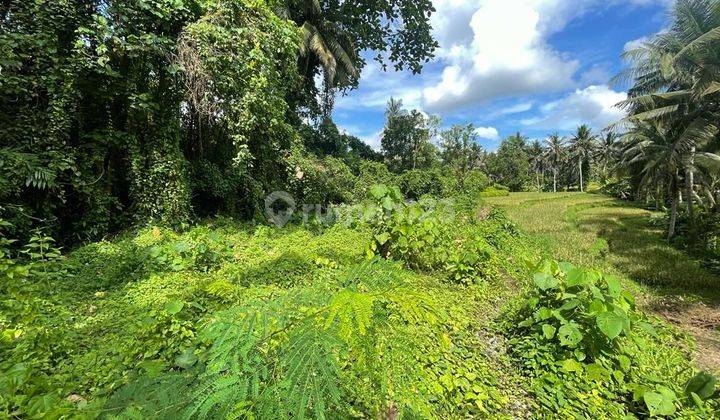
(414, 310)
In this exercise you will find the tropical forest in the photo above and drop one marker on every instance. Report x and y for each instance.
(359, 209)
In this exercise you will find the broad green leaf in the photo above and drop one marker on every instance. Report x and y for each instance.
(571, 365)
(702, 384)
(378, 191)
(569, 335)
(597, 373)
(548, 331)
(660, 403)
(545, 281)
(174, 307)
(610, 324)
(382, 238)
(596, 306)
(614, 287)
(186, 359)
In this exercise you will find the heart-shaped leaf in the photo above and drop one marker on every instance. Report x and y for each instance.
(610, 324)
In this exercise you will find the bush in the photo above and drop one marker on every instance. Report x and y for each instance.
(321, 181)
(419, 182)
(371, 173)
(410, 232)
(495, 190)
(579, 333)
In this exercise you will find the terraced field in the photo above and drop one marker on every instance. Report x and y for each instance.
(599, 231)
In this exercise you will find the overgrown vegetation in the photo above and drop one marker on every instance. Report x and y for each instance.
(141, 277)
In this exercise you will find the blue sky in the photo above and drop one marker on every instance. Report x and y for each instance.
(534, 66)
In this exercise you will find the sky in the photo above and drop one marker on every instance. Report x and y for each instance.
(533, 66)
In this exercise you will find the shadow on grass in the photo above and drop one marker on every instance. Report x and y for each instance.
(640, 250)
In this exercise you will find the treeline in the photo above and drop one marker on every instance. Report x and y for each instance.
(121, 112)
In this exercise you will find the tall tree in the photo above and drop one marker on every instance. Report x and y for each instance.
(676, 79)
(335, 32)
(510, 164)
(406, 137)
(582, 147)
(459, 149)
(555, 155)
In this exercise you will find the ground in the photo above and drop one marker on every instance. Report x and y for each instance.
(595, 230)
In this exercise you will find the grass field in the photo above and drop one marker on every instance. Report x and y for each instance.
(599, 231)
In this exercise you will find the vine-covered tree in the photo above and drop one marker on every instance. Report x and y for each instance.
(406, 138)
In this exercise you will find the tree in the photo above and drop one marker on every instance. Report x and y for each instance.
(460, 150)
(582, 147)
(675, 78)
(406, 138)
(537, 163)
(555, 155)
(335, 32)
(652, 145)
(510, 164)
(607, 154)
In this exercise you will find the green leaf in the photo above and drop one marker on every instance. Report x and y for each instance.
(174, 307)
(610, 324)
(548, 331)
(614, 287)
(186, 359)
(569, 335)
(42, 404)
(382, 238)
(545, 281)
(702, 384)
(378, 191)
(661, 403)
(571, 365)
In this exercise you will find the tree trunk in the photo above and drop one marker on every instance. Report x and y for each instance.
(675, 197)
(580, 162)
(673, 216)
(689, 185)
(555, 179)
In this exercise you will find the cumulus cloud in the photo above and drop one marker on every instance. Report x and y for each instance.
(508, 54)
(489, 133)
(594, 105)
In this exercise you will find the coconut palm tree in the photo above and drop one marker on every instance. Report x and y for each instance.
(676, 76)
(582, 148)
(325, 44)
(607, 153)
(555, 155)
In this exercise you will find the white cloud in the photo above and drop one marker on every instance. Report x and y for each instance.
(508, 54)
(489, 133)
(517, 108)
(635, 43)
(594, 105)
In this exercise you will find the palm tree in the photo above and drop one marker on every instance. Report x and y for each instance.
(326, 44)
(582, 147)
(652, 145)
(607, 153)
(676, 78)
(537, 162)
(554, 155)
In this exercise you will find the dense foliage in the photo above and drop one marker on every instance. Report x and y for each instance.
(115, 112)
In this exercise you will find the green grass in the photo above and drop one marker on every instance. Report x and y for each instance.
(572, 226)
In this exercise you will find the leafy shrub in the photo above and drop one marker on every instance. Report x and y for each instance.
(579, 333)
(419, 182)
(321, 180)
(369, 174)
(287, 356)
(410, 232)
(495, 190)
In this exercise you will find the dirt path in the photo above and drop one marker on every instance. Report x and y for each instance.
(598, 231)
